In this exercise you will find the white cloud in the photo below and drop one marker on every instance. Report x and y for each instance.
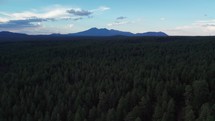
(34, 18)
(19, 24)
(117, 23)
(162, 19)
(202, 27)
(71, 25)
(57, 12)
(79, 12)
(3, 20)
(121, 18)
(103, 8)
(100, 9)
(52, 13)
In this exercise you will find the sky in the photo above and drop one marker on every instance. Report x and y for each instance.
(174, 17)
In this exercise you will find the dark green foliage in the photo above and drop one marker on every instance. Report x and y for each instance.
(189, 114)
(108, 79)
(201, 93)
(188, 95)
(205, 113)
(111, 115)
(137, 119)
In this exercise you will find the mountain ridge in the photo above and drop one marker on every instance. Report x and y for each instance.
(102, 32)
(106, 32)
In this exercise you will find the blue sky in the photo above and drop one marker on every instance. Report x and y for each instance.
(182, 17)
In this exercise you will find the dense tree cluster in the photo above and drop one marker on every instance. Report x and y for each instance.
(121, 79)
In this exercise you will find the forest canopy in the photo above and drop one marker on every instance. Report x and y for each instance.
(111, 79)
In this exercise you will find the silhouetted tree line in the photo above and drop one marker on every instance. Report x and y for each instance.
(121, 79)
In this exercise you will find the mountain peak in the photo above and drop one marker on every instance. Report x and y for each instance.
(10, 36)
(101, 32)
(106, 32)
(152, 34)
(92, 32)
(94, 28)
(6, 33)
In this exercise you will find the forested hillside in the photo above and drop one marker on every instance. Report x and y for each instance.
(115, 79)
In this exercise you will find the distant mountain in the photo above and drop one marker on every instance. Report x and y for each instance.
(106, 32)
(4, 35)
(10, 36)
(151, 34)
(101, 32)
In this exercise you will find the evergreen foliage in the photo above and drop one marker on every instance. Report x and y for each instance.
(108, 79)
